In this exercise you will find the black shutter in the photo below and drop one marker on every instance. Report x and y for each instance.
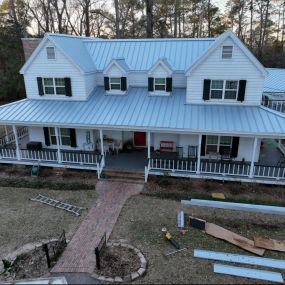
(203, 145)
(67, 82)
(241, 90)
(40, 86)
(168, 84)
(46, 133)
(235, 147)
(206, 89)
(150, 84)
(73, 138)
(106, 83)
(123, 83)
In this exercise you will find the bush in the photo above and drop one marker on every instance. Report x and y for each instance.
(40, 184)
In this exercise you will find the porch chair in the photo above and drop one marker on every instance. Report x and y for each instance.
(118, 146)
(225, 153)
(192, 151)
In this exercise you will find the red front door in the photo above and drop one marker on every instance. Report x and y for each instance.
(140, 139)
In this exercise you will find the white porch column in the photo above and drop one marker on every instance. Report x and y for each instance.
(199, 155)
(252, 158)
(102, 145)
(17, 143)
(57, 144)
(6, 135)
(148, 145)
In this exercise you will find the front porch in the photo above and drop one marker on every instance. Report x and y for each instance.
(190, 155)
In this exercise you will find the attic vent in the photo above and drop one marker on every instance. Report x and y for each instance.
(50, 53)
(227, 52)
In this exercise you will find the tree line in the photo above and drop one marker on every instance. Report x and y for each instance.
(260, 24)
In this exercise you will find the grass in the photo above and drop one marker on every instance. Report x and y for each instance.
(143, 217)
(24, 221)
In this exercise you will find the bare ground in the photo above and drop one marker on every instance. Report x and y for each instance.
(143, 217)
(24, 221)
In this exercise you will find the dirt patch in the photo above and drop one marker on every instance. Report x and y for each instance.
(143, 217)
(177, 189)
(118, 261)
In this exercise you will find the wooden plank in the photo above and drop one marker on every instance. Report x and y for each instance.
(236, 206)
(248, 273)
(237, 258)
(268, 243)
(218, 196)
(233, 238)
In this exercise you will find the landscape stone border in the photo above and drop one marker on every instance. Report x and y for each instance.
(130, 277)
(26, 249)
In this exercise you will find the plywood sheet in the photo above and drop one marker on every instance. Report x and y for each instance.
(233, 238)
(268, 243)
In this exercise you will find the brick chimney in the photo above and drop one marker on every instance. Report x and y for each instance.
(29, 45)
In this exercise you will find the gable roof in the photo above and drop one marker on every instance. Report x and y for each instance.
(275, 80)
(142, 54)
(120, 63)
(164, 63)
(137, 111)
(218, 42)
(71, 46)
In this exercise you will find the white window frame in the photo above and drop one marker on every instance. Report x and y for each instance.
(54, 86)
(160, 84)
(227, 58)
(218, 143)
(49, 47)
(224, 90)
(58, 139)
(110, 83)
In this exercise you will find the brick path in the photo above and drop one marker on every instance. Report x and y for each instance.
(79, 255)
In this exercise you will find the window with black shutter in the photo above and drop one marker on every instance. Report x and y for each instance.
(150, 84)
(73, 138)
(46, 134)
(123, 83)
(241, 90)
(168, 84)
(68, 90)
(203, 145)
(235, 145)
(106, 83)
(206, 89)
(40, 86)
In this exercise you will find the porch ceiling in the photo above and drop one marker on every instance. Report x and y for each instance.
(137, 110)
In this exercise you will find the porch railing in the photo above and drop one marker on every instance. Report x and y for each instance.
(39, 155)
(262, 171)
(79, 157)
(225, 168)
(217, 168)
(276, 105)
(7, 153)
(173, 164)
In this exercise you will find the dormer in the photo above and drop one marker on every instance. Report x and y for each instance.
(115, 77)
(160, 78)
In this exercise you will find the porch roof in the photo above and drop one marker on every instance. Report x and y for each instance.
(138, 111)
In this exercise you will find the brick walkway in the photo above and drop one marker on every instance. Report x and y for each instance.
(79, 255)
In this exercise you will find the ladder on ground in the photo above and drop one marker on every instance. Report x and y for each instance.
(58, 204)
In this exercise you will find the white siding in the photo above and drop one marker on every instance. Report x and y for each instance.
(140, 79)
(60, 67)
(246, 148)
(37, 134)
(237, 68)
(90, 83)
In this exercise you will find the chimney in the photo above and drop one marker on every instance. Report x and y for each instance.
(29, 45)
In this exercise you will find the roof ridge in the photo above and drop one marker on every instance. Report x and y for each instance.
(149, 40)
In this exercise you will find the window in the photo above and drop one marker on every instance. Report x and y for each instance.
(224, 89)
(227, 52)
(54, 86)
(115, 83)
(159, 84)
(218, 144)
(64, 136)
(50, 53)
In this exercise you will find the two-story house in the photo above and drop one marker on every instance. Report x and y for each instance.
(194, 105)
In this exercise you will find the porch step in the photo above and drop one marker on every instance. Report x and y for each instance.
(120, 175)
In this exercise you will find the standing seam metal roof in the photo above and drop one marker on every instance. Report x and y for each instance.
(137, 110)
